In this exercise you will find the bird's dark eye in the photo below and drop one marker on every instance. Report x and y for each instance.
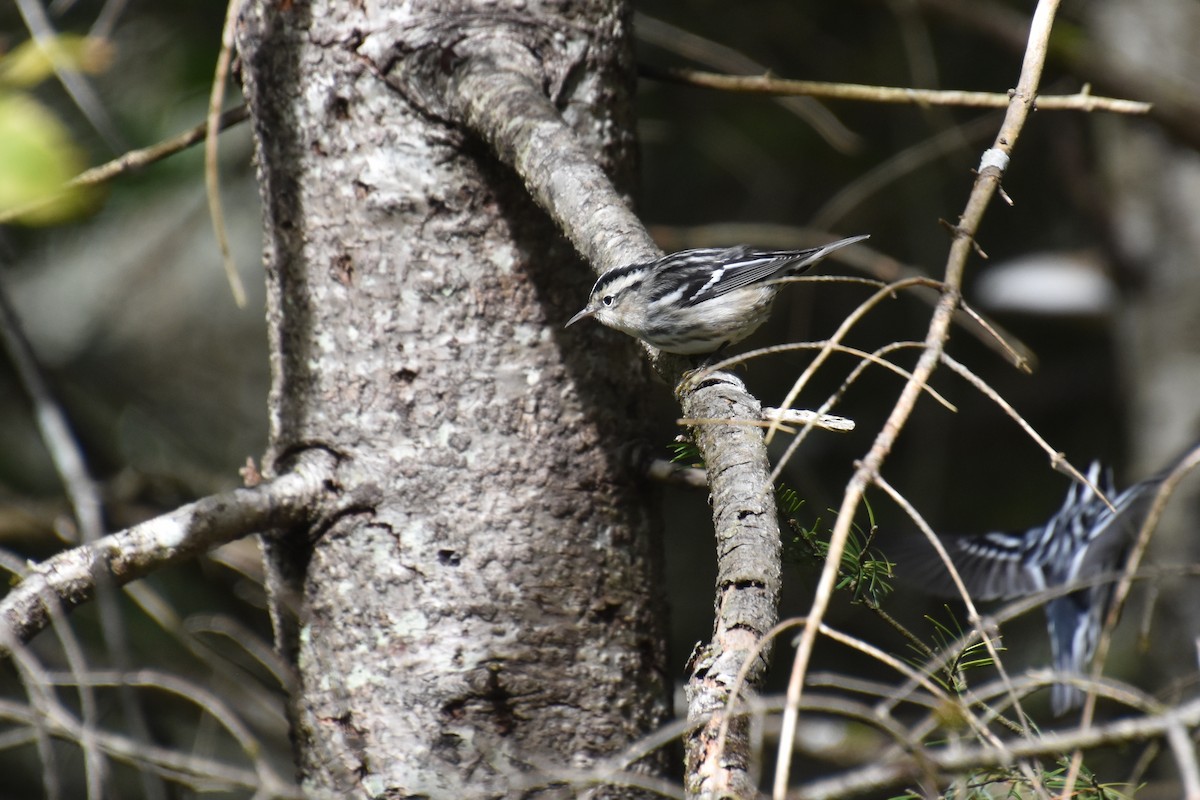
(607, 300)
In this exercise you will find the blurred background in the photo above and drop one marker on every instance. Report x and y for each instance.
(1094, 268)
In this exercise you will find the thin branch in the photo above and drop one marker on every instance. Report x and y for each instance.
(660, 469)
(189, 770)
(1185, 755)
(802, 416)
(95, 767)
(132, 160)
(688, 44)
(84, 498)
(834, 399)
(878, 716)
(972, 611)
(1175, 103)
(1138, 550)
(1083, 100)
(842, 331)
(37, 688)
(826, 347)
(52, 424)
(959, 759)
(68, 578)
(207, 702)
(986, 184)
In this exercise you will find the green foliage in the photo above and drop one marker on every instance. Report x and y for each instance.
(789, 502)
(946, 636)
(686, 452)
(864, 571)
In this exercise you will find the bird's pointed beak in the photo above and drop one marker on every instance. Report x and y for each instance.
(587, 312)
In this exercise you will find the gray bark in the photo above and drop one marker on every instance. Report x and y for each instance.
(495, 605)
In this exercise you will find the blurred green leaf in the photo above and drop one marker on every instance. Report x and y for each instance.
(32, 62)
(37, 158)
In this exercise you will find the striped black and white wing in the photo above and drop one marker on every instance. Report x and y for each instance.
(704, 274)
(993, 566)
(1002, 566)
(1084, 539)
(701, 275)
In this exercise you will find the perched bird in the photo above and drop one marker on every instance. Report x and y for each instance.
(698, 301)
(1083, 540)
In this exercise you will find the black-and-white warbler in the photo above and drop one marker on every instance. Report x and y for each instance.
(1083, 540)
(698, 301)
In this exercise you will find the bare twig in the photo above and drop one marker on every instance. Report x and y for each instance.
(209, 703)
(660, 469)
(1175, 103)
(688, 44)
(882, 774)
(132, 160)
(211, 175)
(844, 328)
(878, 716)
(801, 416)
(188, 770)
(52, 425)
(826, 347)
(766, 84)
(127, 555)
(84, 497)
(835, 398)
(37, 688)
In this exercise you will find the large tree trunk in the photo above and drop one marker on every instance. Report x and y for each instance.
(489, 599)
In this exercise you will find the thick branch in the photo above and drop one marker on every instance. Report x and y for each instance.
(749, 557)
(512, 113)
(68, 579)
